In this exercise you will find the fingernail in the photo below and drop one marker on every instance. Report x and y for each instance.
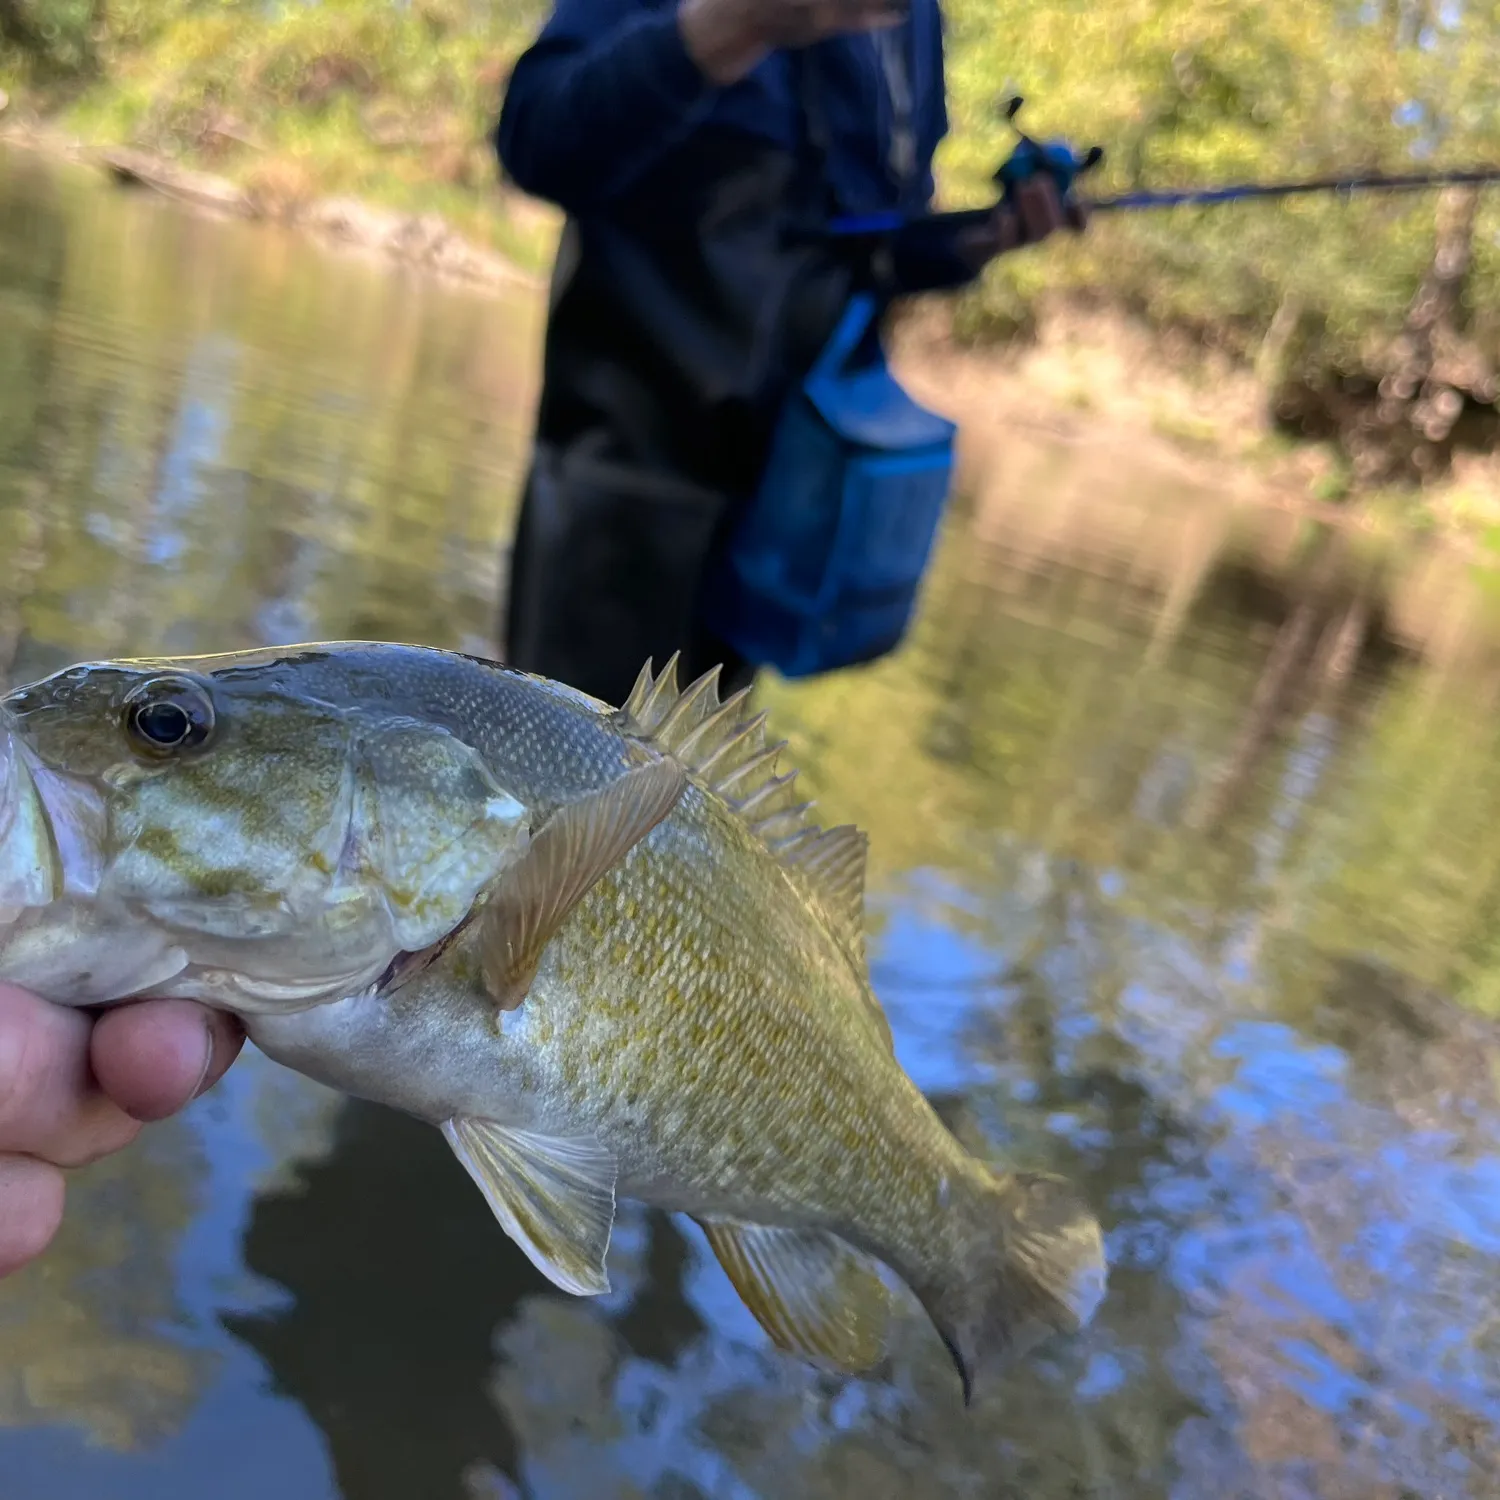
(208, 1058)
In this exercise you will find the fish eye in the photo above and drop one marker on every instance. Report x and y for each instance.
(168, 714)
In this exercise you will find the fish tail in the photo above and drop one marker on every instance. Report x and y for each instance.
(1036, 1265)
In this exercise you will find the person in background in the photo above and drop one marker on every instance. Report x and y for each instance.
(687, 143)
(74, 1089)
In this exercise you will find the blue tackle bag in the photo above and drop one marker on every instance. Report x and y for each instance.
(822, 569)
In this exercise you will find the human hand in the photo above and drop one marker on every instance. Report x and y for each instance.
(1039, 210)
(73, 1089)
(728, 38)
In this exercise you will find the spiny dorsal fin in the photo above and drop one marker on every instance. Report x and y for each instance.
(726, 751)
(729, 753)
(650, 698)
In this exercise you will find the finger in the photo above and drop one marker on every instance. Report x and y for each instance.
(50, 1106)
(155, 1056)
(868, 12)
(1077, 215)
(1007, 229)
(978, 245)
(1036, 201)
(839, 17)
(31, 1207)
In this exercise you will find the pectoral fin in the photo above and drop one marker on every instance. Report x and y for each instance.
(812, 1293)
(574, 848)
(554, 1196)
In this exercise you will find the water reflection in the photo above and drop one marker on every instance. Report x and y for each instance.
(224, 440)
(386, 1340)
(85, 1343)
(1183, 884)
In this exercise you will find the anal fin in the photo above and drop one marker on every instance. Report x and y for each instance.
(554, 1196)
(813, 1294)
(573, 849)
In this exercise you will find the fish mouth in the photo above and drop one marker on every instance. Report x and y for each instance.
(54, 937)
(52, 829)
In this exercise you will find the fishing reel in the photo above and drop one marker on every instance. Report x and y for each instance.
(1031, 158)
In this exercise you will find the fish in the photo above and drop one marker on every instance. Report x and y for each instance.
(606, 951)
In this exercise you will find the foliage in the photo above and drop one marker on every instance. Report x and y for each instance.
(55, 41)
(1182, 92)
(391, 102)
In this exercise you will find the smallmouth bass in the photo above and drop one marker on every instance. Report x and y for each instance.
(605, 951)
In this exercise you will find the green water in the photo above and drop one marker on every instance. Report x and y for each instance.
(1184, 877)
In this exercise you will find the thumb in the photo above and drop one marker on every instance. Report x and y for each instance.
(156, 1056)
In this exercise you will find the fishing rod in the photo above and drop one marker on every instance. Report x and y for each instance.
(1359, 182)
(1058, 160)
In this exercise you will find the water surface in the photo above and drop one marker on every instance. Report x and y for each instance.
(1184, 881)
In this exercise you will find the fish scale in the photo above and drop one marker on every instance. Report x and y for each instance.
(606, 951)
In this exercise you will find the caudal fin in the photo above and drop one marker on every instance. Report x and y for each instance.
(1039, 1268)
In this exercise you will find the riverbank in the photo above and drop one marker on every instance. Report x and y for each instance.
(424, 238)
(1091, 377)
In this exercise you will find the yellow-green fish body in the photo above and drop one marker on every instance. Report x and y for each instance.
(606, 952)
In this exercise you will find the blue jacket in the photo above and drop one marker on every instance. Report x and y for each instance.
(608, 90)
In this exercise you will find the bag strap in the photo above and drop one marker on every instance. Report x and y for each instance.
(845, 338)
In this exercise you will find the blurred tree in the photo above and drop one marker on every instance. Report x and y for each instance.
(1331, 297)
